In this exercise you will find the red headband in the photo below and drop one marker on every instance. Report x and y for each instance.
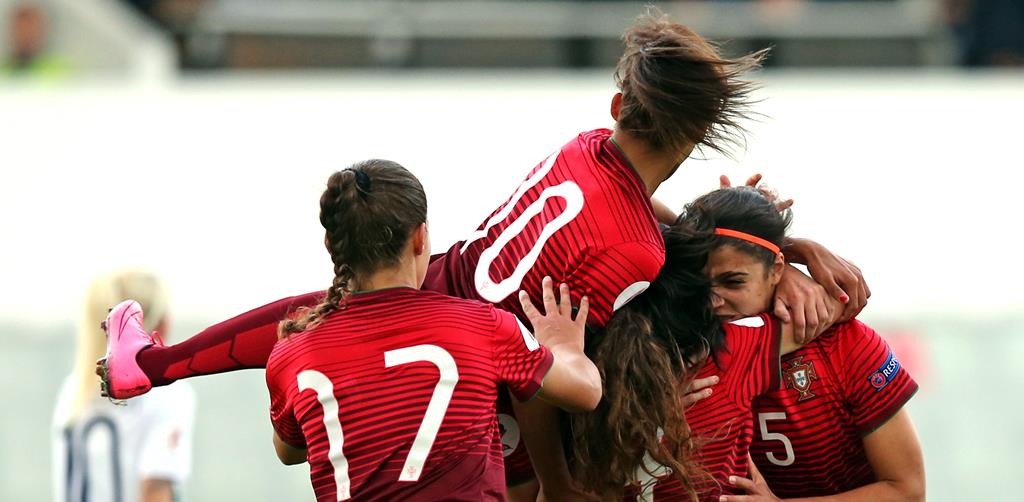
(749, 238)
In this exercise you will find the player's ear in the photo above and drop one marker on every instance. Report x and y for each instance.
(420, 240)
(777, 269)
(616, 105)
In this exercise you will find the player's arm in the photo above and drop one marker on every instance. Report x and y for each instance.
(841, 279)
(804, 305)
(157, 490)
(288, 454)
(894, 453)
(573, 382)
(282, 418)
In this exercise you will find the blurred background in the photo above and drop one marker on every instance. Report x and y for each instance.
(192, 137)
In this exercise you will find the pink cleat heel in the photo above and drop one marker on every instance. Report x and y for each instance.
(122, 376)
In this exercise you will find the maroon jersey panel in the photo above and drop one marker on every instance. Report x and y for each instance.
(836, 389)
(403, 409)
(748, 367)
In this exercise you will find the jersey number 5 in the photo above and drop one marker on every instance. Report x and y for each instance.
(763, 419)
(316, 381)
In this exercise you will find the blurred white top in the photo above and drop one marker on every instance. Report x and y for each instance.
(106, 452)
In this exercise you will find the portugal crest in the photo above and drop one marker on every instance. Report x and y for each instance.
(799, 376)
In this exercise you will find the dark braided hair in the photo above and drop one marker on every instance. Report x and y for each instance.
(368, 211)
(645, 354)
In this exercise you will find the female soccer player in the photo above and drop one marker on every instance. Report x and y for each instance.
(583, 216)
(835, 429)
(673, 326)
(139, 452)
(389, 390)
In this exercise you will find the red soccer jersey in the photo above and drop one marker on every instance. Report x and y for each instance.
(394, 396)
(835, 390)
(582, 216)
(748, 367)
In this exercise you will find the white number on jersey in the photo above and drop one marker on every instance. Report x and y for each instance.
(567, 190)
(436, 409)
(763, 419)
(649, 473)
(79, 473)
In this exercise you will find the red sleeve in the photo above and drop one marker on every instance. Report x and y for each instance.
(613, 277)
(282, 411)
(753, 346)
(244, 341)
(520, 361)
(875, 383)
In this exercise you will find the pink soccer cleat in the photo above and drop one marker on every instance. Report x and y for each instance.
(121, 374)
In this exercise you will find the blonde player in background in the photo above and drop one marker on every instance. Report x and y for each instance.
(138, 451)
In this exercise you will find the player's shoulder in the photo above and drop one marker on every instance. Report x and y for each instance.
(631, 251)
(473, 315)
(852, 332)
(441, 301)
(594, 136)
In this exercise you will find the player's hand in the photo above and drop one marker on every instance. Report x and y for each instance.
(724, 182)
(770, 193)
(843, 280)
(698, 389)
(804, 303)
(556, 325)
(756, 487)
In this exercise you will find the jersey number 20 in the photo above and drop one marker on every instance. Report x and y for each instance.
(314, 380)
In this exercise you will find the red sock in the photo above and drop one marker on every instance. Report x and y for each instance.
(241, 342)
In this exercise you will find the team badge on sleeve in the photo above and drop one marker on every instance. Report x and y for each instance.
(885, 373)
(799, 376)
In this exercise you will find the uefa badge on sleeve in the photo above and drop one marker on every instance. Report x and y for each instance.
(885, 373)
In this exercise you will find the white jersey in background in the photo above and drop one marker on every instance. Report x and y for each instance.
(105, 453)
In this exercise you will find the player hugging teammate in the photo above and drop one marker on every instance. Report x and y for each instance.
(390, 382)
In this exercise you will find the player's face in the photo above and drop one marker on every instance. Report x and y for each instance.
(741, 284)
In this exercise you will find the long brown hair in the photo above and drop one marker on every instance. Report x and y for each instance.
(678, 91)
(645, 353)
(368, 211)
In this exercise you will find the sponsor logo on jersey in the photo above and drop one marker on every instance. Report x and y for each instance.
(800, 375)
(885, 373)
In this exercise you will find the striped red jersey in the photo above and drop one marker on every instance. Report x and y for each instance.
(394, 396)
(835, 390)
(748, 367)
(582, 216)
